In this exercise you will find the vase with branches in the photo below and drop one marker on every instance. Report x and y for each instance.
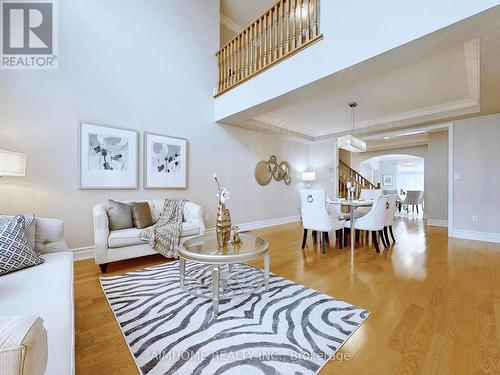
(223, 226)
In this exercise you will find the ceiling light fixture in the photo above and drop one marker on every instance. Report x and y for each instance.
(350, 142)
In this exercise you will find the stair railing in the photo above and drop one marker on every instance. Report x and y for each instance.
(347, 174)
(283, 30)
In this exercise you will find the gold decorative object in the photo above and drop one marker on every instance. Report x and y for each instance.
(262, 173)
(236, 235)
(265, 171)
(223, 227)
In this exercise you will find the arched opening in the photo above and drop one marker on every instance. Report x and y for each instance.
(395, 172)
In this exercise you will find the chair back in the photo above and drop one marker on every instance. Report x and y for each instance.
(370, 194)
(421, 197)
(389, 220)
(313, 210)
(377, 217)
(412, 197)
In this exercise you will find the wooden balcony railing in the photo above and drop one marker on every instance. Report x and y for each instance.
(284, 29)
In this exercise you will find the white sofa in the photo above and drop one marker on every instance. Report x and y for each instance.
(44, 291)
(112, 246)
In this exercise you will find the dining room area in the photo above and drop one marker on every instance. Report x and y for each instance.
(354, 199)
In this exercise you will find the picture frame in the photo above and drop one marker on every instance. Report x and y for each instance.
(108, 157)
(387, 180)
(165, 161)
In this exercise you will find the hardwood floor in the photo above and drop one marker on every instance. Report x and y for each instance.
(434, 302)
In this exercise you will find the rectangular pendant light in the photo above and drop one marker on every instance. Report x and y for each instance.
(351, 143)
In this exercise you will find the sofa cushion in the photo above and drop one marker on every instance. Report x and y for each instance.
(190, 229)
(142, 215)
(15, 252)
(124, 237)
(130, 237)
(23, 345)
(30, 226)
(46, 291)
(119, 215)
(49, 234)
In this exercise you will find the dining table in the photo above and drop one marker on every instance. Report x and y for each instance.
(352, 204)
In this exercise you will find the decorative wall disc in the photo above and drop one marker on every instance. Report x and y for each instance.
(267, 170)
(263, 173)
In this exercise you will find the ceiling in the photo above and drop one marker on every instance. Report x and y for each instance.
(432, 84)
(400, 141)
(453, 73)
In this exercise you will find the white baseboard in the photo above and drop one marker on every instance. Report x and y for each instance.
(82, 253)
(244, 227)
(437, 223)
(476, 236)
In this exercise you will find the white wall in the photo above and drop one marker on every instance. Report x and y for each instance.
(353, 31)
(437, 176)
(323, 160)
(142, 65)
(476, 157)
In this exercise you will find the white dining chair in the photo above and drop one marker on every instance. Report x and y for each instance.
(389, 220)
(367, 195)
(374, 221)
(316, 218)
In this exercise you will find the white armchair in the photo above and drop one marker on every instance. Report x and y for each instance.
(316, 218)
(413, 198)
(112, 246)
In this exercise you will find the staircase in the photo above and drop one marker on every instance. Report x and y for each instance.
(347, 174)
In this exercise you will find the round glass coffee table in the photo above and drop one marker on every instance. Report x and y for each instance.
(222, 273)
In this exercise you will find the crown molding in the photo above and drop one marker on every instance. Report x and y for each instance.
(230, 24)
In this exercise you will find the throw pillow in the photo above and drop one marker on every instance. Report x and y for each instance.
(142, 215)
(119, 215)
(30, 226)
(15, 253)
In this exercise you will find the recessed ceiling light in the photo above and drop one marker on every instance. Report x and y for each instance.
(386, 138)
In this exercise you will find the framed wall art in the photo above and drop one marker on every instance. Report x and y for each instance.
(387, 180)
(108, 157)
(165, 162)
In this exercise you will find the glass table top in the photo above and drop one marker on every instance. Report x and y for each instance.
(205, 249)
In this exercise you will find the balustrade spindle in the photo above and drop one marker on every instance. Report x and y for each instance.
(247, 55)
(308, 19)
(231, 63)
(224, 69)
(281, 23)
(264, 40)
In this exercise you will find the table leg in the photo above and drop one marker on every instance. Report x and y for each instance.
(266, 271)
(353, 228)
(182, 271)
(215, 289)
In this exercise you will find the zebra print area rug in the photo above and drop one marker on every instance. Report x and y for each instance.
(290, 329)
